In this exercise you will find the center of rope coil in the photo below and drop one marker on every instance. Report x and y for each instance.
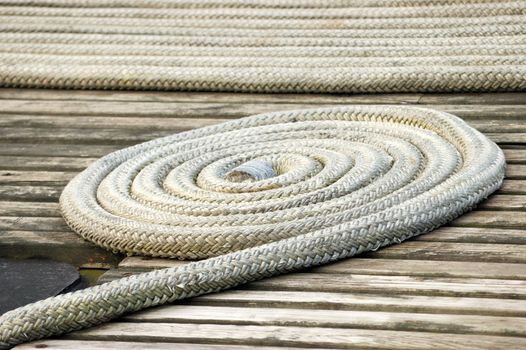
(253, 170)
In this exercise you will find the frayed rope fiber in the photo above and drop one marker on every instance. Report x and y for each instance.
(340, 46)
(263, 196)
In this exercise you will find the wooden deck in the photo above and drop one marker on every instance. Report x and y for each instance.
(460, 287)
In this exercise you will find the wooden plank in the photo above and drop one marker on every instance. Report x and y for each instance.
(294, 336)
(420, 322)
(498, 125)
(63, 344)
(379, 284)
(66, 247)
(384, 301)
(516, 171)
(371, 266)
(474, 235)
(45, 163)
(496, 219)
(28, 209)
(508, 202)
(161, 96)
(413, 285)
(504, 139)
(144, 263)
(33, 224)
(26, 177)
(515, 156)
(513, 187)
(182, 124)
(126, 137)
(481, 252)
(56, 150)
(221, 110)
(104, 122)
(474, 98)
(407, 267)
(119, 137)
(200, 97)
(30, 193)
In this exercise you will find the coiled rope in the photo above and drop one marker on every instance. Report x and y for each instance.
(348, 46)
(262, 196)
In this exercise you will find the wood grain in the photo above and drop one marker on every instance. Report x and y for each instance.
(462, 286)
(294, 336)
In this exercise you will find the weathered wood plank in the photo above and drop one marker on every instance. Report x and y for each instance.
(57, 150)
(475, 235)
(414, 285)
(422, 250)
(378, 266)
(513, 187)
(504, 139)
(498, 125)
(30, 193)
(221, 110)
(144, 263)
(182, 124)
(513, 156)
(420, 322)
(25, 177)
(60, 246)
(516, 171)
(33, 224)
(295, 336)
(44, 163)
(379, 284)
(517, 156)
(104, 122)
(363, 301)
(63, 344)
(407, 267)
(125, 137)
(8, 208)
(81, 136)
(160, 96)
(496, 219)
(474, 98)
(508, 202)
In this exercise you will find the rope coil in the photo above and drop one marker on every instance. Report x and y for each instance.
(328, 184)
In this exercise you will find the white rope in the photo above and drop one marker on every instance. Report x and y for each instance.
(363, 46)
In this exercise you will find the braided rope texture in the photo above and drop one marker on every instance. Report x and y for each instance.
(341, 46)
(262, 196)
